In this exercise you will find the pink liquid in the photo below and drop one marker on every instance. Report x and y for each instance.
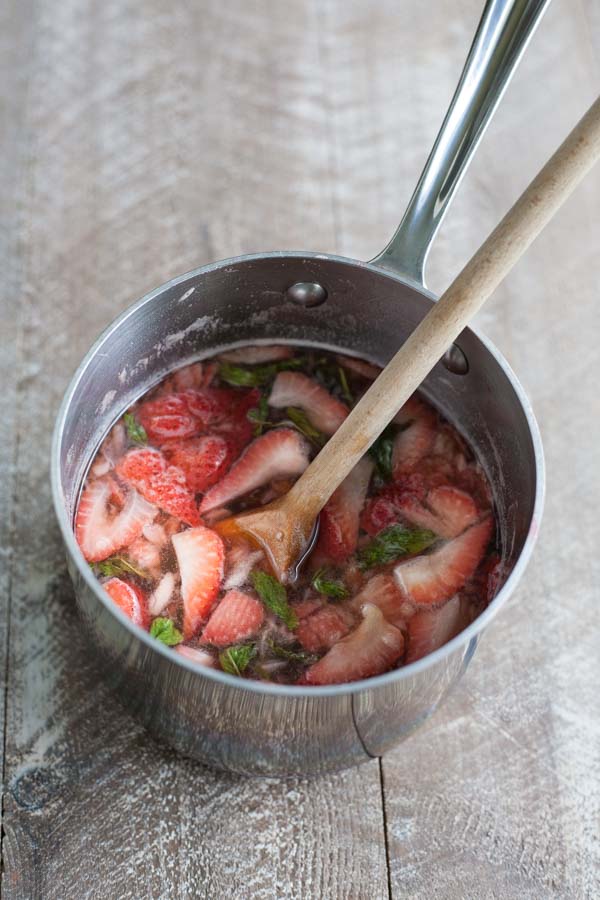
(405, 557)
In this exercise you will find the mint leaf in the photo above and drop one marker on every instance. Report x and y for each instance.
(164, 630)
(381, 453)
(274, 596)
(346, 392)
(235, 660)
(255, 376)
(135, 431)
(301, 421)
(328, 586)
(392, 543)
(293, 655)
(118, 565)
(260, 416)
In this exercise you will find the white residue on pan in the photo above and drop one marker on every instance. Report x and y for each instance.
(208, 323)
(106, 401)
(187, 294)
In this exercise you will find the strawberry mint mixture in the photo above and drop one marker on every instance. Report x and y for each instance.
(405, 557)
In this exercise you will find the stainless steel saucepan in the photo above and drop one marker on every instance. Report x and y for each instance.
(356, 307)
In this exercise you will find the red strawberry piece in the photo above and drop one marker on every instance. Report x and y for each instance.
(100, 534)
(276, 454)
(295, 389)
(237, 616)
(433, 577)
(148, 471)
(338, 523)
(371, 649)
(324, 627)
(129, 598)
(257, 354)
(305, 608)
(415, 440)
(359, 366)
(200, 554)
(203, 460)
(237, 427)
(167, 418)
(188, 377)
(385, 508)
(383, 592)
(432, 628)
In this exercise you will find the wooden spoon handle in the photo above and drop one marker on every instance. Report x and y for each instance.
(453, 311)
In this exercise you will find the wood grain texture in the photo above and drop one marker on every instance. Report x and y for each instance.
(143, 145)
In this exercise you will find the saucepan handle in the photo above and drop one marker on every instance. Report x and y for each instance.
(502, 35)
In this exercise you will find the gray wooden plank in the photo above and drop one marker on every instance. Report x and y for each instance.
(14, 33)
(156, 142)
(498, 796)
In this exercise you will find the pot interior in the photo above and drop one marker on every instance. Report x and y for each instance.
(368, 312)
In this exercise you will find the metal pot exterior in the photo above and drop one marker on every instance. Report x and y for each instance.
(246, 726)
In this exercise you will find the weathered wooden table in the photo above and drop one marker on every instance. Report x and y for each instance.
(141, 140)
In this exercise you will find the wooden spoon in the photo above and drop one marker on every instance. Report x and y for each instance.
(284, 528)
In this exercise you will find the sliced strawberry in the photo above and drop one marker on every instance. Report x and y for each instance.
(279, 453)
(383, 592)
(203, 460)
(359, 366)
(237, 427)
(200, 657)
(144, 555)
(338, 523)
(128, 598)
(385, 508)
(167, 418)
(434, 577)
(238, 616)
(253, 355)
(324, 627)
(371, 649)
(148, 471)
(294, 389)
(432, 628)
(100, 534)
(200, 554)
(241, 559)
(446, 510)
(188, 377)
(416, 440)
(162, 594)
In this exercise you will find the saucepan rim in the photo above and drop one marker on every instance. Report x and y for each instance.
(255, 686)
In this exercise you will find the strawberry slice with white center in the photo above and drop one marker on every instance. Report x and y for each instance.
(238, 616)
(430, 629)
(434, 577)
(253, 355)
(129, 598)
(359, 366)
(164, 485)
(295, 389)
(383, 592)
(100, 534)
(199, 657)
(241, 559)
(145, 555)
(200, 554)
(281, 453)
(203, 460)
(338, 523)
(167, 418)
(415, 440)
(446, 511)
(324, 627)
(371, 649)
